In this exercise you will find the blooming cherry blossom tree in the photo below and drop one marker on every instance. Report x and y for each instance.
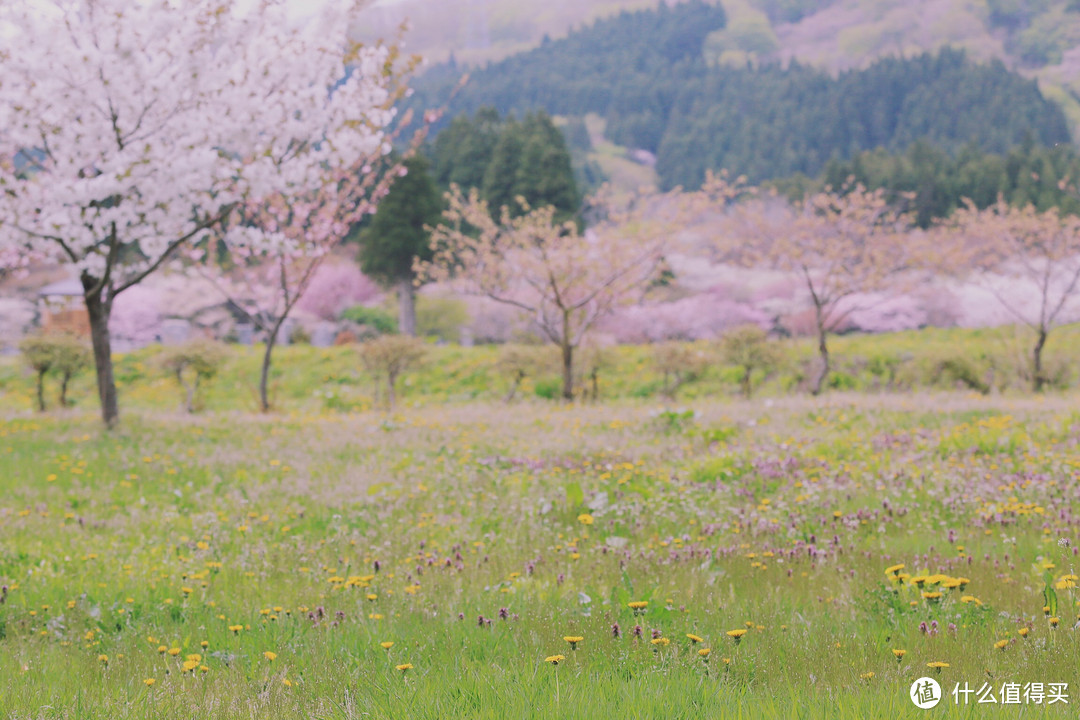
(842, 246)
(335, 287)
(283, 238)
(130, 129)
(276, 252)
(1028, 260)
(564, 281)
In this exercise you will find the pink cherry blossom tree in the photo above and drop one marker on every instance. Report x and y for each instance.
(1027, 259)
(281, 240)
(842, 246)
(336, 286)
(563, 281)
(130, 129)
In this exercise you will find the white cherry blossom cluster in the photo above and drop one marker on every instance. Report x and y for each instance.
(127, 127)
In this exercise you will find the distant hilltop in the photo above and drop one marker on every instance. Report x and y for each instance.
(1039, 39)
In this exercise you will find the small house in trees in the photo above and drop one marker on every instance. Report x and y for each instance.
(62, 308)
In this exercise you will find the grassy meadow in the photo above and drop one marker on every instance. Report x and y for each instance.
(333, 561)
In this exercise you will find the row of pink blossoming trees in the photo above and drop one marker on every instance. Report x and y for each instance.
(144, 134)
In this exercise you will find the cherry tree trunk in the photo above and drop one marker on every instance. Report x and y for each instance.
(189, 389)
(264, 375)
(823, 351)
(745, 381)
(567, 371)
(391, 381)
(406, 307)
(98, 310)
(518, 377)
(41, 390)
(1038, 378)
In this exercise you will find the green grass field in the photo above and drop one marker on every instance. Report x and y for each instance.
(237, 565)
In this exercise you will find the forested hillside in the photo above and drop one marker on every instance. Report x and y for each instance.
(646, 73)
(938, 182)
(505, 159)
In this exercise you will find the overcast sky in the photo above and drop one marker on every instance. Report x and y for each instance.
(298, 9)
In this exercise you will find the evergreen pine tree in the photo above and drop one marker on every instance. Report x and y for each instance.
(545, 174)
(500, 179)
(396, 236)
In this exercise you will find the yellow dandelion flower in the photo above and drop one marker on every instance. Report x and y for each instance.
(174, 651)
(573, 640)
(585, 519)
(149, 682)
(895, 569)
(899, 654)
(1000, 644)
(1054, 622)
(736, 634)
(660, 642)
(103, 659)
(386, 645)
(554, 659)
(694, 638)
(269, 655)
(403, 667)
(704, 652)
(1023, 632)
(867, 675)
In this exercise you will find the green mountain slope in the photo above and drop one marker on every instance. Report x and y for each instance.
(1038, 38)
(649, 76)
